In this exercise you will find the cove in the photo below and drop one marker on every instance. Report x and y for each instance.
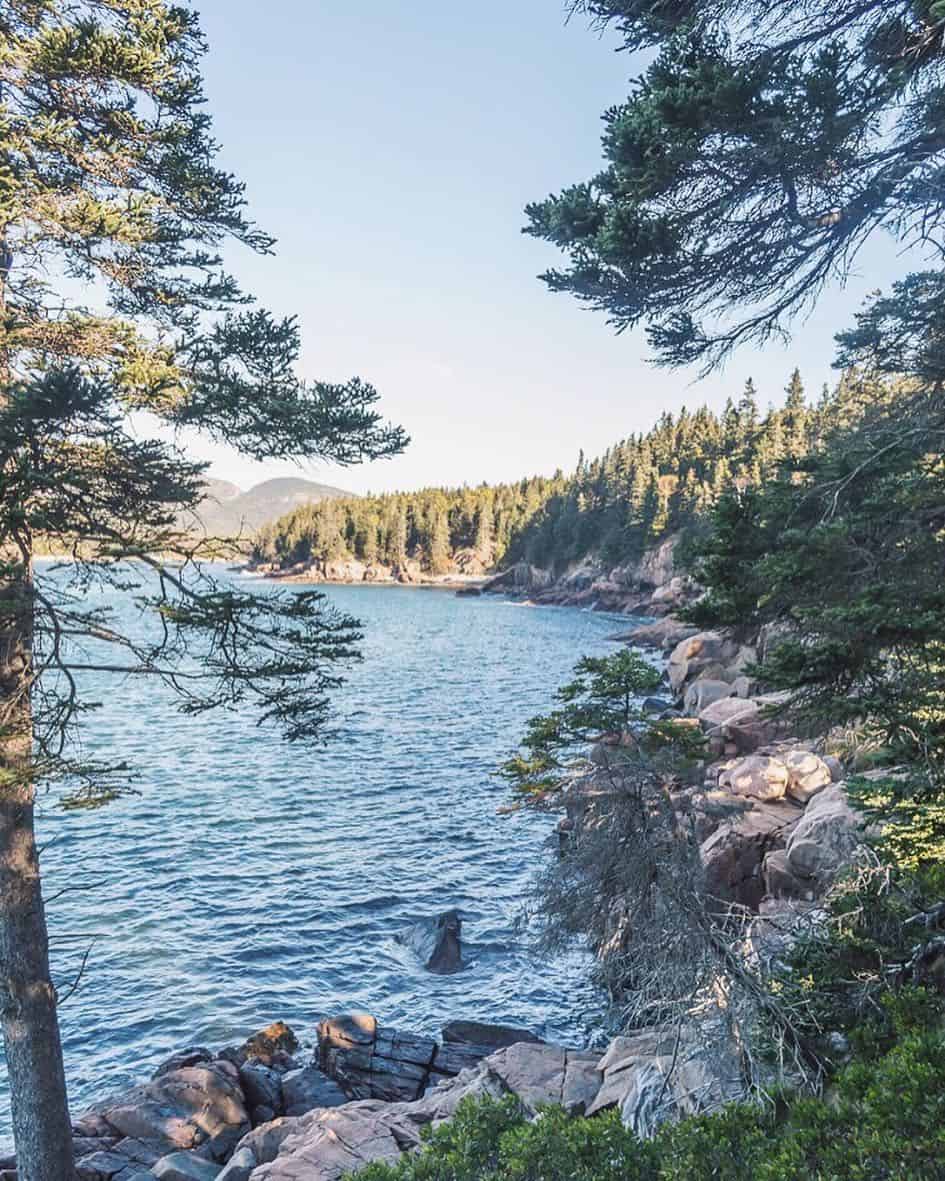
(252, 880)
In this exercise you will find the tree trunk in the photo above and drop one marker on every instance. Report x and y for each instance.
(42, 1130)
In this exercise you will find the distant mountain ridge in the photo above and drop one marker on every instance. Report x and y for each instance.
(228, 511)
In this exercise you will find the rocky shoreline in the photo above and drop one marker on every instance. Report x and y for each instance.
(649, 586)
(260, 1112)
(771, 812)
(351, 572)
(774, 829)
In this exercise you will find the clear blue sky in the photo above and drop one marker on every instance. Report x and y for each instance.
(391, 145)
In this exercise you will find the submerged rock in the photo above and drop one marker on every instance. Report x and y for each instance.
(437, 943)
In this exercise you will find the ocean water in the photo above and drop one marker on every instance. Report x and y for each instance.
(251, 880)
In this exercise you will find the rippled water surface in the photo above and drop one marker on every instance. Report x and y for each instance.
(252, 880)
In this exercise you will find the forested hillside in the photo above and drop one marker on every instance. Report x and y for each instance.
(438, 527)
(613, 506)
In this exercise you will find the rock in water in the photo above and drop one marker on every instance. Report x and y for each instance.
(437, 942)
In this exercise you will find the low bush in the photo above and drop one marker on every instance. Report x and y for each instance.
(883, 1120)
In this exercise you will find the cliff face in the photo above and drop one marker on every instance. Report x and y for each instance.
(649, 585)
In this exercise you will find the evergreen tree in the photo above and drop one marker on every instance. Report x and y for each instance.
(602, 702)
(826, 120)
(108, 177)
(795, 419)
(748, 410)
(396, 548)
(438, 543)
(484, 544)
(610, 509)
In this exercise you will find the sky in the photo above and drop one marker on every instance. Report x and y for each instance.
(391, 146)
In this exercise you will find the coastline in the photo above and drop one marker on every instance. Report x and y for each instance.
(268, 1106)
(649, 585)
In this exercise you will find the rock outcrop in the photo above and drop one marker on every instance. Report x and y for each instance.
(376, 1062)
(650, 585)
(791, 832)
(324, 1145)
(199, 1108)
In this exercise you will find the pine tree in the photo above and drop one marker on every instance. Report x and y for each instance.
(484, 543)
(438, 548)
(108, 177)
(748, 411)
(655, 239)
(396, 547)
(655, 512)
(795, 418)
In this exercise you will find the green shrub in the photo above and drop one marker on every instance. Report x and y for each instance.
(491, 1140)
(884, 1120)
(857, 980)
(466, 1148)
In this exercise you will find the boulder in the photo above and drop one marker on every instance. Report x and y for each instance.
(656, 705)
(270, 1045)
(193, 1107)
(744, 687)
(734, 854)
(756, 777)
(193, 1056)
(541, 1074)
(750, 733)
(835, 767)
(780, 881)
(259, 1147)
(466, 1043)
(661, 1074)
(307, 1088)
(326, 1144)
(744, 658)
(262, 1087)
(695, 655)
(371, 1062)
(239, 1166)
(808, 775)
(625, 1054)
(664, 634)
(826, 837)
(102, 1166)
(184, 1166)
(437, 942)
(704, 692)
(725, 712)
